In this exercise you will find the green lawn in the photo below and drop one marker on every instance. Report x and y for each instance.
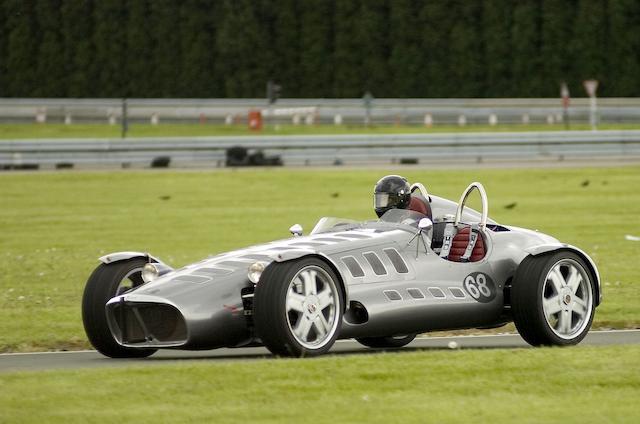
(547, 385)
(55, 130)
(54, 225)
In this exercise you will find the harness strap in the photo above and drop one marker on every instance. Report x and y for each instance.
(448, 234)
(474, 233)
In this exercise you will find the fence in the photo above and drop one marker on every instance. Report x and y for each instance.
(323, 111)
(327, 150)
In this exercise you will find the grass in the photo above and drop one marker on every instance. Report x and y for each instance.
(551, 385)
(54, 225)
(57, 130)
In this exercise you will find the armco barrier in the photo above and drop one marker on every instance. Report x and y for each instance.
(325, 111)
(326, 150)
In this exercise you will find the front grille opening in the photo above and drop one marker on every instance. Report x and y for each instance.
(130, 328)
(150, 322)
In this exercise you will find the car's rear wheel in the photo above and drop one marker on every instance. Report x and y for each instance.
(552, 299)
(106, 282)
(298, 307)
(387, 342)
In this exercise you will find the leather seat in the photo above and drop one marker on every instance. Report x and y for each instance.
(459, 245)
(420, 204)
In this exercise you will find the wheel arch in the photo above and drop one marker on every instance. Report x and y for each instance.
(593, 269)
(125, 256)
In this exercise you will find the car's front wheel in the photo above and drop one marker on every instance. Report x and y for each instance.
(298, 307)
(390, 342)
(106, 282)
(552, 299)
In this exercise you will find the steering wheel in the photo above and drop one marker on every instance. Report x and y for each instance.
(423, 190)
(463, 199)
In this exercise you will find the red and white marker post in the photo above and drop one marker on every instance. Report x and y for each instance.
(564, 93)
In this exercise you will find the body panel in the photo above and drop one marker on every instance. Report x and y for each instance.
(387, 270)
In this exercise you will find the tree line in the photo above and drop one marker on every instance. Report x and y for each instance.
(317, 48)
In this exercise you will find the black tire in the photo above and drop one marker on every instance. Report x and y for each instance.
(274, 323)
(391, 342)
(103, 285)
(533, 284)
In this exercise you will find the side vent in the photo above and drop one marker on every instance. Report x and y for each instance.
(396, 260)
(329, 239)
(436, 292)
(375, 263)
(211, 271)
(353, 265)
(353, 236)
(457, 293)
(308, 243)
(191, 279)
(392, 295)
(415, 293)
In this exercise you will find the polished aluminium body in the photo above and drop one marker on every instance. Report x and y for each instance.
(392, 279)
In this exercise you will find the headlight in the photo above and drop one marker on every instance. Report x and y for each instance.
(151, 271)
(255, 271)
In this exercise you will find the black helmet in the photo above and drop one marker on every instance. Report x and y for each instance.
(391, 192)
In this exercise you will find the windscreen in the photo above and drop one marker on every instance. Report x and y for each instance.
(402, 216)
(329, 223)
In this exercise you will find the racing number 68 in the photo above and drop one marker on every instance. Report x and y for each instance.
(477, 286)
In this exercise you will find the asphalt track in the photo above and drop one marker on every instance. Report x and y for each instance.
(91, 359)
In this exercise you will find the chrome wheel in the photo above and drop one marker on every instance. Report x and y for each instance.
(312, 305)
(567, 298)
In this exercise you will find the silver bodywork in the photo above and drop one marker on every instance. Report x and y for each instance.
(393, 282)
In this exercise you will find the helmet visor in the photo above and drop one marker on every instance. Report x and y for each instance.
(380, 200)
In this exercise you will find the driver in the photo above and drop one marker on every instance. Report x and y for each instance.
(394, 192)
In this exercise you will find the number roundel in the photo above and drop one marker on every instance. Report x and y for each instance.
(480, 287)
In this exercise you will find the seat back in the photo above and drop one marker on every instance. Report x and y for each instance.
(460, 243)
(420, 204)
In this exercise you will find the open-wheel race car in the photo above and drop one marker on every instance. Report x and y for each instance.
(435, 265)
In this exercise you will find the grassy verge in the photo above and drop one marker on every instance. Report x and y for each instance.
(574, 385)
(54, 130)
(53, 226)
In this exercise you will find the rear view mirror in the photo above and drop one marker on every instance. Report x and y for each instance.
(425, 224)
(296, 230)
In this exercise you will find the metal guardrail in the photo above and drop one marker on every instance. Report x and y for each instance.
(326, 150)
(351, 111)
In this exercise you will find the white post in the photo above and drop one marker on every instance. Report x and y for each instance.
(591, 86)
(428, 120)
(309, 119)
(41, 115)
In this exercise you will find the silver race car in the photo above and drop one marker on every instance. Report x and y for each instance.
(381, 282)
